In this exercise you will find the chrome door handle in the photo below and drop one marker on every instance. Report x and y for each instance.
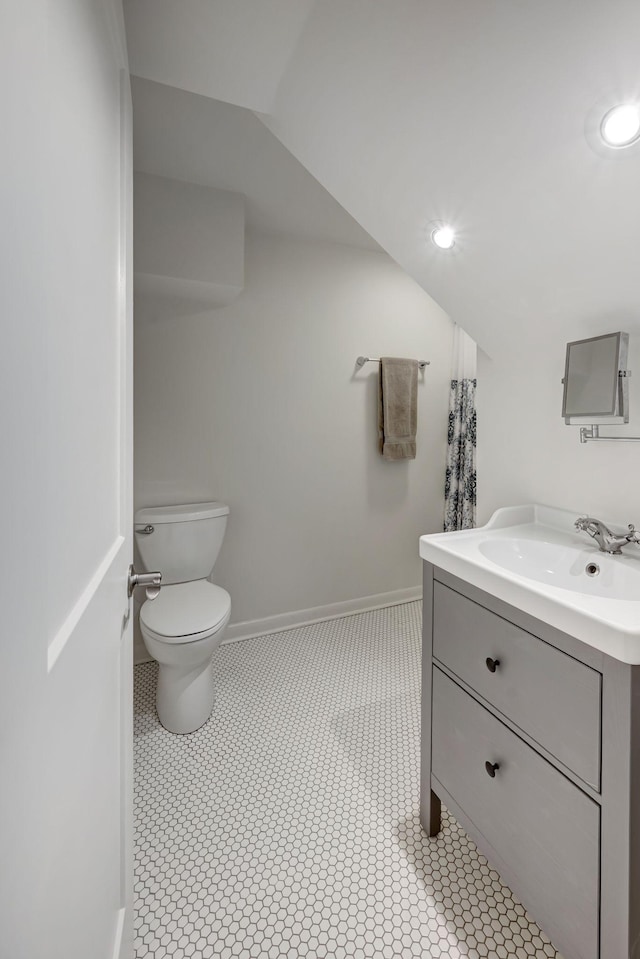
(150, 581)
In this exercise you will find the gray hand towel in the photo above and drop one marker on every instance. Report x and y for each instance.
(398, 408)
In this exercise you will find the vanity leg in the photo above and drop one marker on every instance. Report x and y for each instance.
(429, 802)
(430, 815)
(435, 817)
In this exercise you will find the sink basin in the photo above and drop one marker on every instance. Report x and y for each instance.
(533, 558)
(567, 567)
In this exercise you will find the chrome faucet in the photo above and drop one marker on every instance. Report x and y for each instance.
(607, 541)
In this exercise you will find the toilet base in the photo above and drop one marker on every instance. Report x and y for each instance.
(185, 696)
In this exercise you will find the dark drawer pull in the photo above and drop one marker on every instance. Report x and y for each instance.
(492, 664)
(491, 768)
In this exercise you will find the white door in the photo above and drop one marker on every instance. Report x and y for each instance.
(65, 481)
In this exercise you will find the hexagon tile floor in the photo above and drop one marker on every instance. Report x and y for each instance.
(288, 824)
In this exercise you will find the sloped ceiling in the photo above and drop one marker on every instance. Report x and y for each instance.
(189, 137)
(231, 50)
(481, 113)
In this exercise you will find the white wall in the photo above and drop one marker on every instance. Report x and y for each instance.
(189, 245)
(525, 451)
(259, 405)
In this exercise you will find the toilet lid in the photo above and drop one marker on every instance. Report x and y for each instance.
(186, 608)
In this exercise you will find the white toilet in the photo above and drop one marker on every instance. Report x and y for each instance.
(183, 626)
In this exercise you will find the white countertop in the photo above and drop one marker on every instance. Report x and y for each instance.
(542, 571)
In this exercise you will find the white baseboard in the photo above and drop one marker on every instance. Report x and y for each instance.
(304, 617)
(319, 614)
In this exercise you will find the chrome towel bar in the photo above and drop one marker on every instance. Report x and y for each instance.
(361, 360)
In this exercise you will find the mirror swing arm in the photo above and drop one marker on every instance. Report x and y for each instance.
(596, 390)
(591, 434)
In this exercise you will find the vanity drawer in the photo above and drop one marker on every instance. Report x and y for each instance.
(552, 697)
(532, 816)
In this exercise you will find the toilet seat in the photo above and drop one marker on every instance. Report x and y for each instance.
(186, 612)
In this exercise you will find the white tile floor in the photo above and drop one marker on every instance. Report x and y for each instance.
(288, 825)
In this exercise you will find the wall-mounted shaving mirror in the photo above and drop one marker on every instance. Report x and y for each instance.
(595, 380)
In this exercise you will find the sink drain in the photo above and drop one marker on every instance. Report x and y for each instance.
(592, 569)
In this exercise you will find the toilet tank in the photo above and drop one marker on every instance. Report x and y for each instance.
(182, 542)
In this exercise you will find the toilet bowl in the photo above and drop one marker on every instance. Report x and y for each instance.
(183, 626)
(182, 629)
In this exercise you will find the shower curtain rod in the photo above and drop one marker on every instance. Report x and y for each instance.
(361, 360)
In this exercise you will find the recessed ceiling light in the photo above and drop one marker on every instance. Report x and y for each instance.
(621, 125)
(443, 237)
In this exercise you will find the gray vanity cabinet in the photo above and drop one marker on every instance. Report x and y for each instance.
(531, 738)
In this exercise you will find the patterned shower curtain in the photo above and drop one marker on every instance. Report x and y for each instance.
(460, 478)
